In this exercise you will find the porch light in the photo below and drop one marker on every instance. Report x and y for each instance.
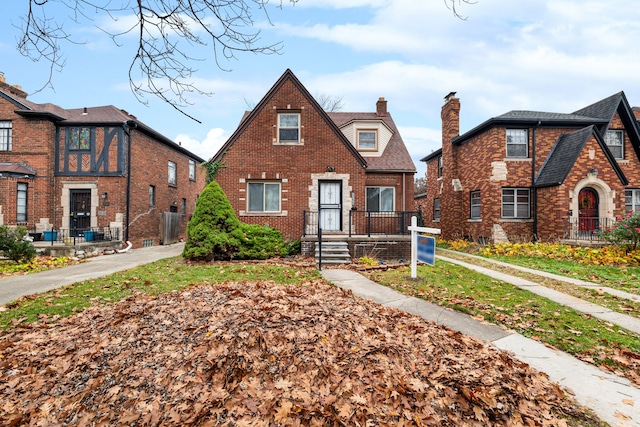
(331, 169)
(104, 195)
(593, 171)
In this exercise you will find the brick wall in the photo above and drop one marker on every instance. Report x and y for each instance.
(255, 156)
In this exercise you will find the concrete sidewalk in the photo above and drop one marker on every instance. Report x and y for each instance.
(12, 288)
(606, 394)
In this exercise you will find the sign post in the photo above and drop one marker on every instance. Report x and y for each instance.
(423, 248)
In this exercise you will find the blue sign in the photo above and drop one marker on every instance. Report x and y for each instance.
(426, 249)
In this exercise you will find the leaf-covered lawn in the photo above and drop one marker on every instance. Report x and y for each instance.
(262, 354)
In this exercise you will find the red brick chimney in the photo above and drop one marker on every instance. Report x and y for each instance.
(450, 196)
(381, 107)
(14, 90)
(450, 117)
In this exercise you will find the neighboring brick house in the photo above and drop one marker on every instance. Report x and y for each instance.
(295, 167)
(91, 169)
(528, 175)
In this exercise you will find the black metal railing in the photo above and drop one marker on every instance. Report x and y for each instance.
(587, 228)
(366, 223)
(73, 236)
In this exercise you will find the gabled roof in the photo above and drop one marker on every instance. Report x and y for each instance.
(564, 155)
(599, 113)
(395, 158)
(248, 118)
(95, 116)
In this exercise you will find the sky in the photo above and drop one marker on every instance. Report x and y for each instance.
(542, 55)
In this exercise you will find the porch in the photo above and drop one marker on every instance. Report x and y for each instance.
(66, 242)
(377, 235)
(584, 231)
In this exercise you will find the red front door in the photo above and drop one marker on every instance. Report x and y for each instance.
(588, 210)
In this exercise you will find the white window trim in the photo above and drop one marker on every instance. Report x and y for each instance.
(6, 135)
(299, 128)
(515, 204)
(607, 141)
(192, 170)
(525, 143)
(634, 206)
(471, 205)
(175, 173)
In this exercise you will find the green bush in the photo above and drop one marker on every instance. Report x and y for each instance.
(625, 231)
(13, 245)
(215, 233)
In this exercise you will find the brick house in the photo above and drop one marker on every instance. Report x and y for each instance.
(528, 175)
(294, 166)
(91, 173)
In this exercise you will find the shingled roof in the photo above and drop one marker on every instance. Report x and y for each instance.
(564, 154)
(103, 115)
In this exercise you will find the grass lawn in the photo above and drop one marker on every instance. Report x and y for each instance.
(590, 339)
(167, 275)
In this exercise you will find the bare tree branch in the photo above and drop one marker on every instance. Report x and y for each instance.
(454, 4)
(165, 32)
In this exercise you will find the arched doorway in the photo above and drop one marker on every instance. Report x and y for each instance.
(588, 220)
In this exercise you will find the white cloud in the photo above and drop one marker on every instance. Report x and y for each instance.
(206, 148)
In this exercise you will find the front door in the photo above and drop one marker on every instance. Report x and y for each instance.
(80, 216)
(330, 205)
(588, 210)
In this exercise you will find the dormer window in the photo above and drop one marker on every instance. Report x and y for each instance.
(368, 140)
(615, 141)
(288, 128)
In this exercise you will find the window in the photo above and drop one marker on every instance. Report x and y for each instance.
(152, 195)
(172, 173)
(21, 209)
(439, 166)
(367, 140)
(184, 206)
(436, 209)
(380, 199)
(264, 197)
(631, 200)
(192, 170)
(515, 203)
(288, 127)
(517, 142)
(5, 135)
(79, 139)
(475, 205)
(615, 141)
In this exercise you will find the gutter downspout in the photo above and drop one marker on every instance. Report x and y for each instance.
(127, 126)
(534, 194)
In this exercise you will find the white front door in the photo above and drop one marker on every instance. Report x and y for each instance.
(330, 205)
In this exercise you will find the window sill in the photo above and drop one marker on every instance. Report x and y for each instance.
(289, 143)
(517, 159)
(474, 220)
(257, 214)
(516, 220)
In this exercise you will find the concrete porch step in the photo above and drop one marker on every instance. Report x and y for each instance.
(333, 253)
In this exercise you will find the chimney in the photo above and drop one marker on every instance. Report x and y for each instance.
(381, 107)
(13, 90)
(450, 117)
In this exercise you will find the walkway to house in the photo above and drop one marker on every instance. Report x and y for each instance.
(613, 398)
